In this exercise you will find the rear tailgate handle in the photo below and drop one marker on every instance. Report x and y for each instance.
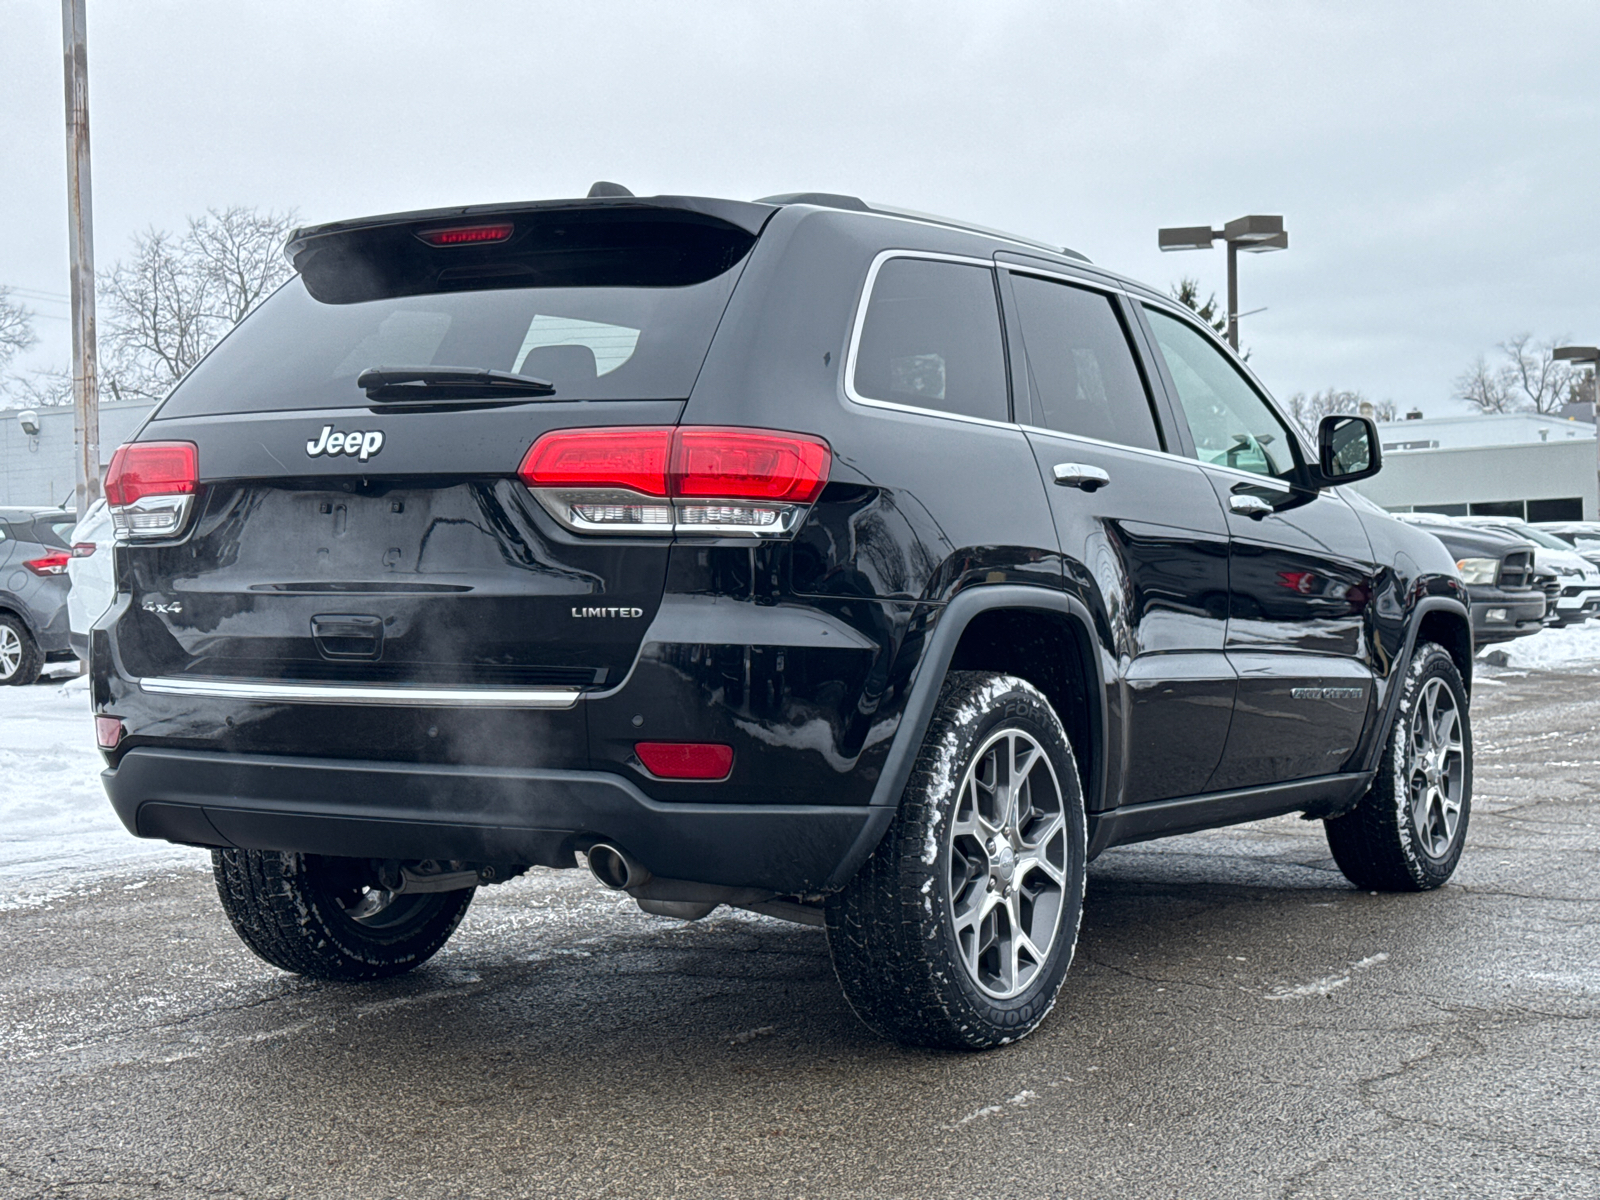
(348, 635)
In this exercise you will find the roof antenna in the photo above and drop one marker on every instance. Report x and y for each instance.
(602, 188)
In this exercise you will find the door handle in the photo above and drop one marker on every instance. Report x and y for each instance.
(1250, 506)
(1080, 476)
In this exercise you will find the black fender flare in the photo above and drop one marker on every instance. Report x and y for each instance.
(1402, 664)
(950, 621)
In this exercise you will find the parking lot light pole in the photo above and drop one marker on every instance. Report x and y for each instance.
(1253, 234)
(1591, 356)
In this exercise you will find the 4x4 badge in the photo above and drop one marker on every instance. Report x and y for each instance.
(362, 445)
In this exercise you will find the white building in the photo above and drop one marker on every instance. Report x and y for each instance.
(1539, 468)
(37, 468)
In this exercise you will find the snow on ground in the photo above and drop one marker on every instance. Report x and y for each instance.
(57, 830)
(1550, 649)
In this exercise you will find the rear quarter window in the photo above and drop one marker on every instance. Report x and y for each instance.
(931, 339)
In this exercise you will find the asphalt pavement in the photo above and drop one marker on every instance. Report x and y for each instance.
(1240, 1022)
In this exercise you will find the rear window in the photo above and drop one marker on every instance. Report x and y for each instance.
(54, 531)
(615, 314)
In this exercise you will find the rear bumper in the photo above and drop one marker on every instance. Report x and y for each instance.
(479, 814)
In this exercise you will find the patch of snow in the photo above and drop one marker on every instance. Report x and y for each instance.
(1551, 649)
(57, 829)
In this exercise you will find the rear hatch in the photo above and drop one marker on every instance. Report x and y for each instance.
(379, 533)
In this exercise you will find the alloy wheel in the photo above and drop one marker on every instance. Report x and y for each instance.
(1007, 854)
(10, 652)
(1435, 771)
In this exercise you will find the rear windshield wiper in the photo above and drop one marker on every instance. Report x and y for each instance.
(429, 384)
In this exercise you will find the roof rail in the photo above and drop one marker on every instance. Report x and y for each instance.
(855, 204)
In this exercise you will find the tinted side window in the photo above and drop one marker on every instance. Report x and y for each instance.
(1231, 424)
(1084, 379)
(931, 339)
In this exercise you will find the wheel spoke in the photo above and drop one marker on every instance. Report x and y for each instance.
(1006, 896)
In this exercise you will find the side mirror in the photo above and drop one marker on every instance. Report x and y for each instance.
(1347, 450)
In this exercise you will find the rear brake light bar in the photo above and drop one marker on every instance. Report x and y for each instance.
(468, 235)
(707, 480)
(150, 487)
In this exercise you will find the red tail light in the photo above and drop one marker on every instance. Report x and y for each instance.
(746, 464)
(151, 469)
(107, 732)
(149, 487)
(50, 564)
(700, 479)
(685, 760)
(82, 549)
(467, 235)
(635, 459)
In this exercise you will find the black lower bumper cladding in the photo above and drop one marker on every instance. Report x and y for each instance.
(403, 810)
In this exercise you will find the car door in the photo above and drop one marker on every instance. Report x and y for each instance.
(1142, 533)
(1300, 572)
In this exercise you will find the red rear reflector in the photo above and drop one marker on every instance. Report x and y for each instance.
(107, 732)
(748, 464)
(635, 459)
(685, 760)
(151, 469)
(50, 564)
(467, 235)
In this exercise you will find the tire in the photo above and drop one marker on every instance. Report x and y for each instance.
(914, 963)
(20, 658)
(297, 911)
(1406, 833)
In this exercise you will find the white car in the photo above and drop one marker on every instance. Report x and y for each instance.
(1577, 595)
(94, 584)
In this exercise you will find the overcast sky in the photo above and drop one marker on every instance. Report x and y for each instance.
(1437, 164)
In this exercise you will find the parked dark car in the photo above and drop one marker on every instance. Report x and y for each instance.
(860, 568)
(33, 591)
(1509, 598)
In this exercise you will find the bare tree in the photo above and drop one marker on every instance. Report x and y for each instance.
(43, 388)
(1308, 411)
(174, 298)
(240, 252)
(1532, 374)
(16, 327)
(1485, 389)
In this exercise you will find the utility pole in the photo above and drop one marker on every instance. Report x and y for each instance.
(1590, 357)
(80, 241)
(1253, 235)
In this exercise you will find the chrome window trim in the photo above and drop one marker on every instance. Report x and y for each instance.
(340, 693)
(856, 397)
(1145, 450)
(1104, 287)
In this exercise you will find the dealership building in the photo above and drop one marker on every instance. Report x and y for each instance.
(1527, 465)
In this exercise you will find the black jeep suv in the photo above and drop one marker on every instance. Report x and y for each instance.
(843, 564)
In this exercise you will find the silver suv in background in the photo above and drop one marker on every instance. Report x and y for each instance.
(34, 553)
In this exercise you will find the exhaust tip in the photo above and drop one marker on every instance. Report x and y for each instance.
(614, 868)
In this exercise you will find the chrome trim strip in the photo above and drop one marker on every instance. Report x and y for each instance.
(341, 693)
(1103, 287)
